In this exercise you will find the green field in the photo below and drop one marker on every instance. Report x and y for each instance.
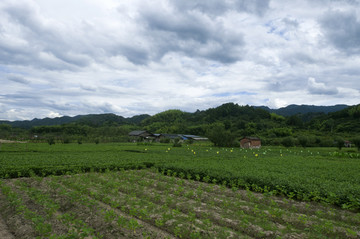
(194, 191)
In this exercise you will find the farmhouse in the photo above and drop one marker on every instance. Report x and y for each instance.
(139, 135)
(347, 144)
(250, 142)
(169, 137)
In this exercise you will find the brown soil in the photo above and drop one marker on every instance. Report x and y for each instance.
(239, 212)
(4, 232)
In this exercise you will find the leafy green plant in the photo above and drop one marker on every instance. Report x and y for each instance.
(177, 143)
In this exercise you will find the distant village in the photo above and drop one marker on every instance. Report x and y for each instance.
(143, 135)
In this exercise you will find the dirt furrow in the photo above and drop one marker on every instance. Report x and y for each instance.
(146, 226)
(4, 231)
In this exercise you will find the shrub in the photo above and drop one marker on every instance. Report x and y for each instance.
(273, 141)
(165, 140)
(288, 142)
(51, 141)
(356, 141)
(177, 143)
(303, 141)
(66, 140)
(326, 143)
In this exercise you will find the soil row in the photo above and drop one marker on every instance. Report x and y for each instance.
(147, 204)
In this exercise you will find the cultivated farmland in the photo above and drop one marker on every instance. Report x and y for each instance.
(156, 191)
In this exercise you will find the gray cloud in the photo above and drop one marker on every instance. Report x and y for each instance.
(291, 22)
(37, 41)
(297, 58)
(320, 88)
(285, 83)
(135, 56)
(215, 7)
(342, 29)
(192, 33)
(18, 79)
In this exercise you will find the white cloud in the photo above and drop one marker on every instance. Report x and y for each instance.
(53, 115)
(320, 88)
(277, 103)
(133, 57)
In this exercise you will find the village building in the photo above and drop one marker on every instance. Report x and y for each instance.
(250, 142)
(169, 137)
(347, 144)
(140, 135)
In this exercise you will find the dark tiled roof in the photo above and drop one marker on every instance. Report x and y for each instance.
(251, 138)
(137, 132)
(172, 136)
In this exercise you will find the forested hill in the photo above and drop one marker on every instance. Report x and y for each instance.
(93, 120)
(346, 120)
(304, 109)
(226, 112)
(228, 119)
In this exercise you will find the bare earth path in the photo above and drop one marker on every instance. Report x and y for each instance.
(4, 233)
(10, 141)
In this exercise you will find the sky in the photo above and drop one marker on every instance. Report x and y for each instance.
(131, 57)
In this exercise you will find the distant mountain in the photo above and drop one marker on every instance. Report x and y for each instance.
(304, 109)
(93, 120)
(41, 122)
(228, 112)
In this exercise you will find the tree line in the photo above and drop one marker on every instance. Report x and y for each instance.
(223, 125)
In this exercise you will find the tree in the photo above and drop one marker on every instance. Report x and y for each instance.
(220, 136)
(303, 140)
(356, 141)
(288, 142)
(339, 143)
(355, 111)
(51, 141)
(328, 125)
(294, 120)
(250, 128)
(5, 130)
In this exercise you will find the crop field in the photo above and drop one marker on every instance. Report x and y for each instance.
(148, 204)
(195, 191)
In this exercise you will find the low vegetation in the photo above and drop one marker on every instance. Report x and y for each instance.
(317, 174)
(83, 179)
(153, 204)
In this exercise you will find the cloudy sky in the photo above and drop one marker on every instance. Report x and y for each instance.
(129, 57)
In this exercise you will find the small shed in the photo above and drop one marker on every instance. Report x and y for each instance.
(250, 142)
(139, 135)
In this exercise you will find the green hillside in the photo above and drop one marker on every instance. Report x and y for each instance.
(317, 126)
